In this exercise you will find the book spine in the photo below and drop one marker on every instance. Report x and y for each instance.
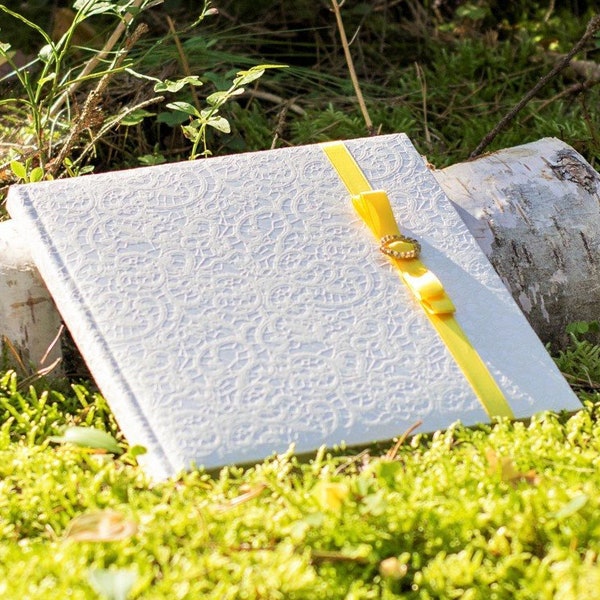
(85, 332)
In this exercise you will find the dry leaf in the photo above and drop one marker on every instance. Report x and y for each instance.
(331, 496)
(101, 526)
(505, 467)
(253, 492)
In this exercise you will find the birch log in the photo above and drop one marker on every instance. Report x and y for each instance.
(535, 212)
(29, 319)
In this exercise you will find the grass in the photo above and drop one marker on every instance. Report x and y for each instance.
(445, 77)
(509, 510)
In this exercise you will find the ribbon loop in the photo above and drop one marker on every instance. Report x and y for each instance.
(375, 209)
(430, 293)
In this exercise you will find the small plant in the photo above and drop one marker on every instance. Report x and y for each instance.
(48, 82)
(48, 85)
(202, 119)
(580, 361)
(25, 173)
(34, 414)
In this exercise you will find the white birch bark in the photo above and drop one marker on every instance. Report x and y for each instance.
(535, 211)
(28, 316)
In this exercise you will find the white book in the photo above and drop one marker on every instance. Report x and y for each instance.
(230, 307)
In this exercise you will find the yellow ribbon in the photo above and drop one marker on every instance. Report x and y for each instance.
(374, 208)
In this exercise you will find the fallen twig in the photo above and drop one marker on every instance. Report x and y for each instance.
(318, 556)
(393, 452)
(591, 29)
(576, 88)
(580, 383)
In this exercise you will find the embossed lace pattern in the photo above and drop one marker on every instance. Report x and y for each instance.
(231, 306)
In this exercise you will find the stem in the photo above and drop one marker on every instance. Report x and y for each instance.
(204, 123)
(93, 62)
(185, 65)
(351, 69)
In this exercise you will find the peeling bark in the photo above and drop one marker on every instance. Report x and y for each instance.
(28, 316)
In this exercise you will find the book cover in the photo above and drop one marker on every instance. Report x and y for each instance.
(232, 306)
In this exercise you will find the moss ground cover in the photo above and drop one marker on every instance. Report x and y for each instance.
(509, 510)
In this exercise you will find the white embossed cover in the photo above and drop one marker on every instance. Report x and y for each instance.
(232, 306)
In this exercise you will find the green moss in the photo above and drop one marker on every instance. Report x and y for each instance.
(509, 510)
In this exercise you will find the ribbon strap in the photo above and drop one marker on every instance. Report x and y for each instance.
(374, 208)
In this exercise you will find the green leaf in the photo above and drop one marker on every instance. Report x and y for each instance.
(573, 506)
(137, 450)
(266, 66)
(184, 107)
(190, 131)
(577, 327)
(93, 8)
(4, 49)
(174, 86)
(246, 77)
(36, 175)
(88, 437)
(220, 124)
(172, 119)
(581, 327)
(151, 159)
(19, 169)
(472, 12)
(217, 98)
(46, 53)
(44, 80)
(135, 117)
